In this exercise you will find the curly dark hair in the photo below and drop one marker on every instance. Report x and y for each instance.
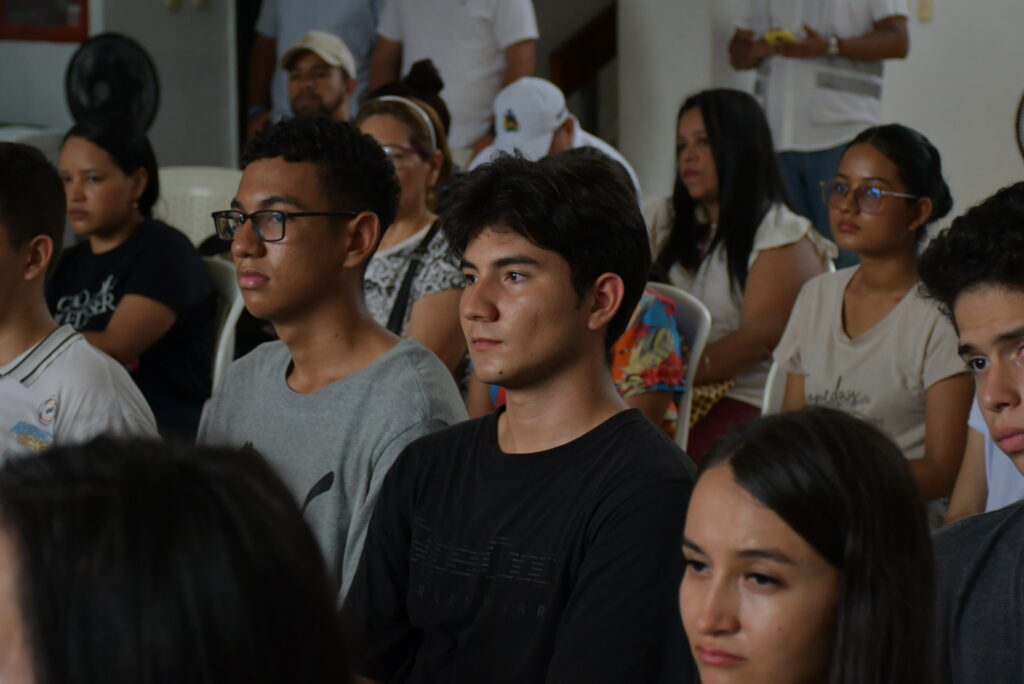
(983, 247)
(354, 172)
(576, 205)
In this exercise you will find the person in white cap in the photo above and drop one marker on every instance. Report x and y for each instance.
(531, 117)
(321, 76)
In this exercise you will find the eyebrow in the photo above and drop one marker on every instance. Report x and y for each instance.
(512, 260)
(268, 201)
(869, 179)
(1009, 336)
(766, 554)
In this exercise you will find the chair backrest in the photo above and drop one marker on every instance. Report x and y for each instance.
(189, 194)
(774, 390)
(229, 308)
(694, 323)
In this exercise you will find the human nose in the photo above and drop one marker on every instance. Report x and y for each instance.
(716, 609)
(245, 242)
(73, 189)
(1000, 387)
(477, 302)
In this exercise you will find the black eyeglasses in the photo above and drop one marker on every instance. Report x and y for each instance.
(868, 197)
(267, 223)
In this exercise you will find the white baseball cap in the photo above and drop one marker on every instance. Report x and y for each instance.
(526, 114)
(327, 47)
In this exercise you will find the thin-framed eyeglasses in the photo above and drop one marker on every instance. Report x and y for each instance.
(268, 224)
(868, 197)
(399, 155)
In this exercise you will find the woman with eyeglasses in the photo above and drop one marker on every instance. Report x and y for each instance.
(863, 339)
(728, 236)
(412, 283)
(135, 287)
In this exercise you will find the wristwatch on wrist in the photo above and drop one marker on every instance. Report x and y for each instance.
(833, 46)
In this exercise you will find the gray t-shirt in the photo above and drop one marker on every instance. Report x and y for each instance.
(333, 447)
(979, 589)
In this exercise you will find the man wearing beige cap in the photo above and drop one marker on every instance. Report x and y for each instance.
(321, 76)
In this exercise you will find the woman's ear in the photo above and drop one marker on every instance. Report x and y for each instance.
(140, 179)
(922, 212)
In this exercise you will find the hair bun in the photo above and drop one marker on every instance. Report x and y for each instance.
(424, 77)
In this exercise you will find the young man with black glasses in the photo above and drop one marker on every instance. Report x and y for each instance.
(540, 543)
(333, 402)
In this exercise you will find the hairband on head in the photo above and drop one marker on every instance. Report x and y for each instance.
(419, 110)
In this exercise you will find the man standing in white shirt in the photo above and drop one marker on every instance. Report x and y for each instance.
(478, 46)
(820, 74)
(54, 386)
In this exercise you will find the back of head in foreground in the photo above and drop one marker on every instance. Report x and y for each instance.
(573, 205)
(846, 490)
(982, 248)
(143, 562)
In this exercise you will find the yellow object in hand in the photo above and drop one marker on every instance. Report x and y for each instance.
(778, 36)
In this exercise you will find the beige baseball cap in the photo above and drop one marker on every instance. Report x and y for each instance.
(328, 47)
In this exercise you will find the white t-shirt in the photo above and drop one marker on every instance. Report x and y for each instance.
(466, 39)
(712, 286)
(64, 390)
(882, 374)
(1004, 482)
(354, 21)
(821, 102)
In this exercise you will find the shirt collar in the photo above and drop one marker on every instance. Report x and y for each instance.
(33, 362)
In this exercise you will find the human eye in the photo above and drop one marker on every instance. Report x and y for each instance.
(840, 188)
(469, 278)
(93, 178)
(515, 276)
(872, 192)
(759, 579)
(977, 364)
(694, 565)
(680, 147)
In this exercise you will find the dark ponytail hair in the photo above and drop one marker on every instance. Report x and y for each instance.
(749, 183)
(917, 161)
(424, 83)
(846, 489)
(128, 145)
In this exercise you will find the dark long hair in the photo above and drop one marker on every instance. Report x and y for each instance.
(846, 489)
(129, 147)
(143, 562)
(749, 183)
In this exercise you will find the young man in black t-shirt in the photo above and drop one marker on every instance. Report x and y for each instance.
(540, 543)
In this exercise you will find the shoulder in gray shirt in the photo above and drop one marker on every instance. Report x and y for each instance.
(333, 447)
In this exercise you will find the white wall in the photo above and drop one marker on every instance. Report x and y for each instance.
(665, 49)
(194, 52)
(960, 86)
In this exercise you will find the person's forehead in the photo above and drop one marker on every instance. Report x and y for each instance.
(984, 312)
(497, 241)
(277, 177)
(307, 59)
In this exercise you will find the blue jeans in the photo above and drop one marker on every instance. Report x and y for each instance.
(802, 173)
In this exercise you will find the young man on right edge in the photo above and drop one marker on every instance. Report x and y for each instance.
(974, 270)
(540, 543)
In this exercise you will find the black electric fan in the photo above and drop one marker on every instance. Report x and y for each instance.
(112, 75)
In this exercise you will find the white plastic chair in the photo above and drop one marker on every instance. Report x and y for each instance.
(694, 323)
(229, 308)
(189, 194)
(774, 390)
